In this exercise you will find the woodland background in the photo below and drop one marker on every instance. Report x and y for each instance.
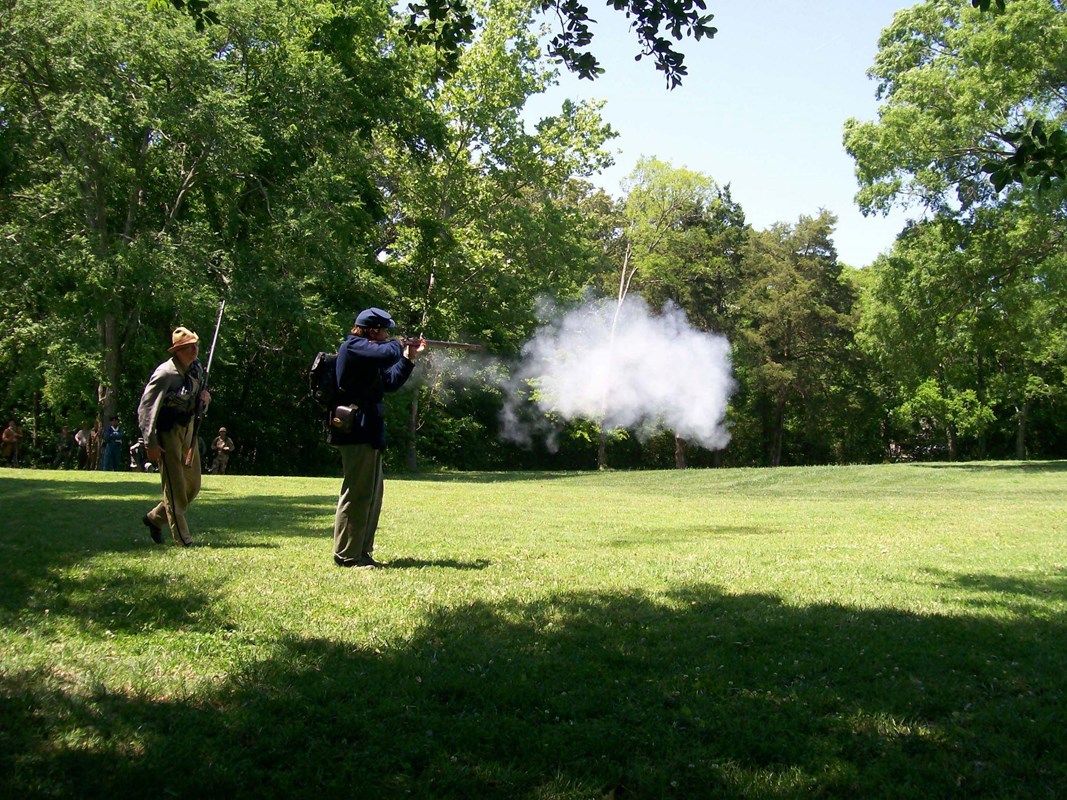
(306, 159)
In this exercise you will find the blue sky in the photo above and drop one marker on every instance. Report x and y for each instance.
(762, 108)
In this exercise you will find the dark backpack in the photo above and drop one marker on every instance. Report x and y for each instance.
(323, 380)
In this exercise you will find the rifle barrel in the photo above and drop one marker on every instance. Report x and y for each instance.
(453, 345)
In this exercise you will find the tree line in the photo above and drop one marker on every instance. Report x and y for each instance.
(308, 159)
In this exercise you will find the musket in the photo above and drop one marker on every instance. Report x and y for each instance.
(440, 343)
(453, 345)
(203, 386)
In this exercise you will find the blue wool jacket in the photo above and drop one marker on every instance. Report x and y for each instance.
(366, 370)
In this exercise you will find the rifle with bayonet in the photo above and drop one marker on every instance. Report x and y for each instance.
(200, 411)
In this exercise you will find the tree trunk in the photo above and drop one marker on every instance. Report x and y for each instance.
(106, 389)
(980, 391)
(1020, 431)
(36, 419)
(411, 459)
(602, 450)
(778, 434)
(679, 452)
(950, 435)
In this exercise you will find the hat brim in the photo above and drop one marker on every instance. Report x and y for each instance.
(175, 347)
(374, 318)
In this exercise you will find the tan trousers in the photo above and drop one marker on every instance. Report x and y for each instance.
(360, 502)
(181, 484)
(219, 467)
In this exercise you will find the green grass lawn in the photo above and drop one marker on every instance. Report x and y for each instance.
(877, 631)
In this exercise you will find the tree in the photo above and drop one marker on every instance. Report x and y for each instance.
(1037, 154)
(971, 127)
(159, 165)
(676, 238)
(974, 306)
(682, 238)
(796, 324)
(953, 415)
(448, 25)
(108, 140)
(490, 221)
(702, 272)
(960, 89)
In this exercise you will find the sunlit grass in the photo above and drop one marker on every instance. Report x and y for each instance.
(885, 631)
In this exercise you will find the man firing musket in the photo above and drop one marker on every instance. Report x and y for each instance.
(369, 364)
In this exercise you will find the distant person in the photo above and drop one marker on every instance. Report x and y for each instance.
(165, 414)
(139, 459)
(83, 438)
(113, 436)
(369, 364)
(9, 444)
(221, 447)
(64, 449)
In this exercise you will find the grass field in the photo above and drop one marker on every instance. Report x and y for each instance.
(877, 631)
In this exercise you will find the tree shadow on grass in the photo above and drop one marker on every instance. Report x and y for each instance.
(1007, 466)
(699, 694)
(130, 603)
(50, 525)
(1006, 593)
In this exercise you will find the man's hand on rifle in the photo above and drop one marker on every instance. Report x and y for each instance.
(205, 399)
(153, 454)
(412, 347)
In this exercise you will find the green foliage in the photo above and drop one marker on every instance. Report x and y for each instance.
(675, 239)
(955, 413)
(448, 25)
(313, 158)
(652, 19)
(200, 10)
(971, 126)
(964, 94)
(794, 335)
(682, 238)
(481, 225)
(976, 305)
(1039, 157)
(165, 165)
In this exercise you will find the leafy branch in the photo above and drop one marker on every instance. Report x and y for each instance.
(1038, 156)
(449, 24)
(651, 20)
(199, 10)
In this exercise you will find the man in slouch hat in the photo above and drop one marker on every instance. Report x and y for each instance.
(168, 405)
(221, 447)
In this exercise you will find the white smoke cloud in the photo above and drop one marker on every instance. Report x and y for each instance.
(652, 372)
